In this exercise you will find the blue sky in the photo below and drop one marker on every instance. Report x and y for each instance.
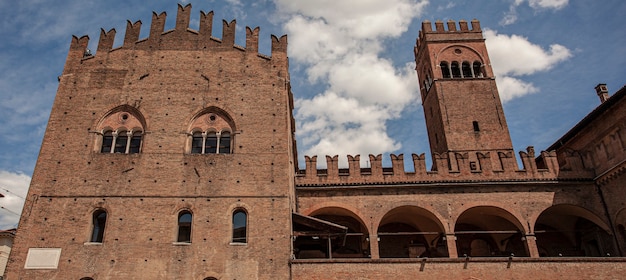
(350, 60)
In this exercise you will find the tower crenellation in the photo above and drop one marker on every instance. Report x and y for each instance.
(179, 38)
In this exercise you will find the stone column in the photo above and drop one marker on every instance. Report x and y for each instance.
(531, 244)
(451, 243)
(374, 247)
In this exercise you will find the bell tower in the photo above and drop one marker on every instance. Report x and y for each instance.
(461, 103)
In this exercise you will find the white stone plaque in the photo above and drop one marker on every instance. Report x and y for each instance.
(43, 258)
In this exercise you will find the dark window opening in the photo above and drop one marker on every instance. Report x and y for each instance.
(121, 142)
(99, 221)
(476, 128)
(478, 73)
(210, 146)
(196, 143)
(239, 226)
(445, 70)
(225, 142)
(456, 71)
(135, 143)
(184, 227)
(107, 142)
(466, 69)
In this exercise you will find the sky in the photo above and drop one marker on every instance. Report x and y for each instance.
(351, 65)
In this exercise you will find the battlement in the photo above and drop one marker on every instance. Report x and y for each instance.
(443, 31)
(452, 167)
(179, 38)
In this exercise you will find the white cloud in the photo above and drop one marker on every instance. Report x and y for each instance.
(511, 16)
(14, 187)
(513, 56)
(547, 4)
(339, 44)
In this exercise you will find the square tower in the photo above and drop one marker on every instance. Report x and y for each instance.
(461, 103)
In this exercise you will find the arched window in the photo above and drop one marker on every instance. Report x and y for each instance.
(456, 71)
(122, 131)
(107, 142)
(478, 73)
(121, 142)
(135, 143)
(445, 70)
(197, 142)
(466, 70)
(184, 227)
(99, 222)
(224, 142)
(210, 145)
(240, 221)
(211, 131)
(86, 278)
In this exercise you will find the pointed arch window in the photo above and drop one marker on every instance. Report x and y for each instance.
(184, 227)
(121, 131)
(211, 132)
(240, 226)
(99, 222)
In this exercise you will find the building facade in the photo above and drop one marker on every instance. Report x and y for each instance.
(174, 157)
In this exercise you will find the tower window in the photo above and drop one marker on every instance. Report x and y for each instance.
(240, 221)
(456, 71)
(99, 222)
(478, 73)
(122, 131)
(107, 142)
(211, 142)
(466, 70)
(121, 142)
(184, 227)
(476, 127)
(197, 142)
(445, 70)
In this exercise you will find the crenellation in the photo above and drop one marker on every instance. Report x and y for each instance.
(419, 163)
(206, 24)
(354, 164)
(156, 28)
(158, 39)
(182, 17)
(439, 26)
(376, 164)
(132, 34)
(228, 32)
(105, 44)
(252, 38)
(397, 162)
(477, 165)
(451, 25)
(476, 26)
(528, 159)
(463, 25)
(332, 166)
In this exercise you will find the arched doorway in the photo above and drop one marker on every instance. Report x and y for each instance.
(351, 244)
(572, 231)
(410, 232)
(488, 231)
